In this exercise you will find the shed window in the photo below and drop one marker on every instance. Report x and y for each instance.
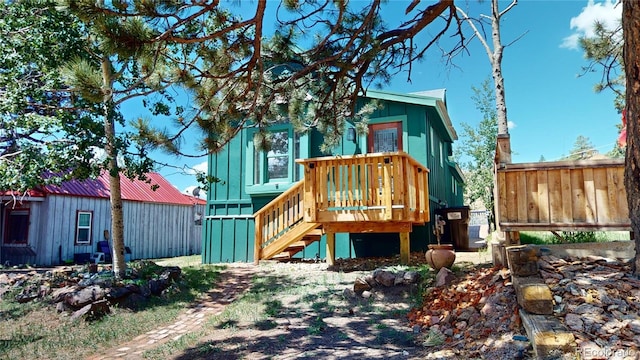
(83, 227)
(17, 226)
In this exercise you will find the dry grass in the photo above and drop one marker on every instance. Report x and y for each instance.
(35, 331)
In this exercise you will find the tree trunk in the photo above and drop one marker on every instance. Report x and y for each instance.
(496, 67)
(631, 34)
(115, 193)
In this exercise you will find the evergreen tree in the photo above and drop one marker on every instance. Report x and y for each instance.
(582, 149)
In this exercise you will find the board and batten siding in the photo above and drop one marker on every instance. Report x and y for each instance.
(151, 230)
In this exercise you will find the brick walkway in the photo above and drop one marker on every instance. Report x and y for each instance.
(235, 280)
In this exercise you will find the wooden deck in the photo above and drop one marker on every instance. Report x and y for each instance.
(383, 192)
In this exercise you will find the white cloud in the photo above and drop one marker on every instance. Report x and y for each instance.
(511, 125)
(605, 12)
(201, 167)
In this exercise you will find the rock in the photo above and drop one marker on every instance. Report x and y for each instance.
(60, 293)
(171, 273)
(461, 325)
(85, 296)
(492, 305)
(384, 277)
(157, 285)
(399, 280)
(467, 313)
(94, 310)
(588, 309)
(63, 307)
(444, 277)
(360, 285)
(411, 277)
(348, 293)
(574, 322)
(366, 294)
(370, 280)
(133, 302)
(117, 293)
(26, 297)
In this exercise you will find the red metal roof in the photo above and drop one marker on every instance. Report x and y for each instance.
(132, 190)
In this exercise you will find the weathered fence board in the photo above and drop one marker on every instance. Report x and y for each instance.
(563, 195)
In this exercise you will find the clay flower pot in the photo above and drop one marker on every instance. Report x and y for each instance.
(439, 256)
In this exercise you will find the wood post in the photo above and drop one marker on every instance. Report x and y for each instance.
(404, 248)
(257, 239)
(331, 248)
(310, 192)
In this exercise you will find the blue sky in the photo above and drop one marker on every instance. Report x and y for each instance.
(548, 104)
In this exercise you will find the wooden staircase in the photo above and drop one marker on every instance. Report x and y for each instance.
(281, 231)
(293, 248)
(383, 192)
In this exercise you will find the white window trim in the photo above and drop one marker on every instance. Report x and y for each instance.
(79, 227)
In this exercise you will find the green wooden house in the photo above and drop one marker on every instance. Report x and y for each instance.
(372, 197)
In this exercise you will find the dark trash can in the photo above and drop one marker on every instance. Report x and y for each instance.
(456, 228)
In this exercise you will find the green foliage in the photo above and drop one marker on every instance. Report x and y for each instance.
(565, 237)
(478, 143)
(582, 149)
(604, 52)
(234, 81)
(44, 129)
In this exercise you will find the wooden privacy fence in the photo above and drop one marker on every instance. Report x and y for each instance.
(564, 195)
(368, 187)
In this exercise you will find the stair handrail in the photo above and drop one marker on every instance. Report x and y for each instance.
(274, 206)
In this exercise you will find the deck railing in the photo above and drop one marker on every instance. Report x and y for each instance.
(279, 216)
(370, 187)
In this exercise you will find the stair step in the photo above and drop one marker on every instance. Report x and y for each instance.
(315, 232)
(293, 236)
(302, 243)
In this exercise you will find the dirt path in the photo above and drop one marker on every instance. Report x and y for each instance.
(292, 311)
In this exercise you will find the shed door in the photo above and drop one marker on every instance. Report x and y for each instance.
(385, 137)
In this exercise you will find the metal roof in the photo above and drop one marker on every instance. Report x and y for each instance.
(132, 190)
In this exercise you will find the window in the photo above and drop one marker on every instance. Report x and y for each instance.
(17, 226)
(385, 137)
(275, 170)
(278, 157)
(441, 155)
(83, 227)
(432, 141)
